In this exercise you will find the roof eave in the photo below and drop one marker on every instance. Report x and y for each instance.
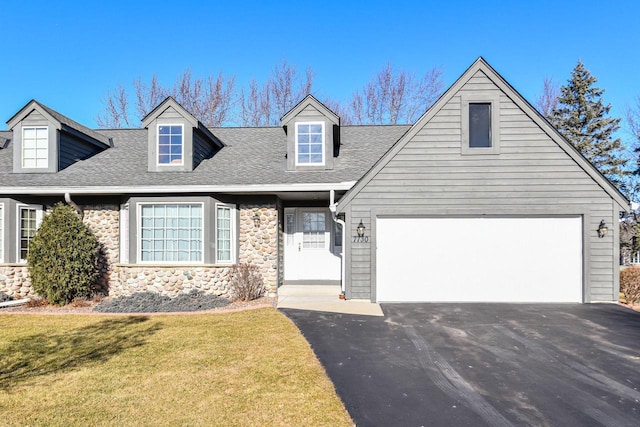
(178, 189)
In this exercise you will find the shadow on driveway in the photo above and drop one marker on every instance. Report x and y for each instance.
(482, 364)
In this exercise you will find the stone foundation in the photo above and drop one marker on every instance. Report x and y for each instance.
(14, 281)
(169, 281)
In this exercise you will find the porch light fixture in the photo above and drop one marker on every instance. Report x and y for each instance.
(602, 229)
(256, 219)
(360, 229)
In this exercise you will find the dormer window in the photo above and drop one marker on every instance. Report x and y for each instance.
(170, 145)
(35, 147)
(310, 143)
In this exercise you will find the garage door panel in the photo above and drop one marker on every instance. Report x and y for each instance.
(479, 259)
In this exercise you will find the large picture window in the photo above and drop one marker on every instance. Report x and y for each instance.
(35, 147)
(170, 145)
(310, 143)
(171, 233)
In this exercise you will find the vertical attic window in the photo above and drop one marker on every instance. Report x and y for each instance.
(35, 147)
(310, 143)
(170, 145)
(479, 125)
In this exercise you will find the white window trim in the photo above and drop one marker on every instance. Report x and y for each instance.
(22, 147)
(323, 144)
(19, 206)
(158, 145)
(139, 234)
(124, 233)
(232, 225)
(483, 98)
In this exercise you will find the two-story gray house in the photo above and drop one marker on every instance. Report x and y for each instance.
(479, 200)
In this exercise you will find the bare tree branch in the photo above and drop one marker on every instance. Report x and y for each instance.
(548, 99)
(395, 97)
(116, 113)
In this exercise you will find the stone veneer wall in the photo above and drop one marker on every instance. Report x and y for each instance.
(257, 246)
(14, 280)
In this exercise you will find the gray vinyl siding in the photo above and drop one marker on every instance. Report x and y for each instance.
(73, 149)
(202, 149)
(531, 175)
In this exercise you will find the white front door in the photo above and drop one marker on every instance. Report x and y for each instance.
(310, 252)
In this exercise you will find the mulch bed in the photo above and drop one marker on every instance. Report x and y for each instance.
(144, 303)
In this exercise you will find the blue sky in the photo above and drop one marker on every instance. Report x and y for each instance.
(69, 54)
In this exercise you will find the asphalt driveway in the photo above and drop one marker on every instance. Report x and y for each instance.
(482, 364)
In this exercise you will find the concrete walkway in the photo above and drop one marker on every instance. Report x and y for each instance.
(324, 298)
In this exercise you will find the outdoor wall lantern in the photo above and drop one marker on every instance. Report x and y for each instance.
(360, 229)
(256, 219)
(602, 229)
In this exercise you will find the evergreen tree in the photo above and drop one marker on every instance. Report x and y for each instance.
(62, 257)
(582, 118)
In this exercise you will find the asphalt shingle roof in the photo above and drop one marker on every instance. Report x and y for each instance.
(250, 156)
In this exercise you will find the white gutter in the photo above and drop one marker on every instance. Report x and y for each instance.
(341, 223)
(156, 189)
(67, 198)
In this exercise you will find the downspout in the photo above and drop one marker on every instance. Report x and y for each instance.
(67, 198)
(341, 223)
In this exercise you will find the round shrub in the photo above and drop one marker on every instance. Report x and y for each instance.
(630, 284)
(63, 257)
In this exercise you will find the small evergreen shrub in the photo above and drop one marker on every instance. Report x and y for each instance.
(246, 282)
(63, 257)
(630, 284)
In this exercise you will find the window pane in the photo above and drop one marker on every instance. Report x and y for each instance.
(313, 230)
(480, 125)
(35, 147)
(310, 139)
(223, 234)
(27, 224)
(169, 243)
(170, 144)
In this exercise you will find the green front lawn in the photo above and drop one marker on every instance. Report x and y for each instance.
(244, 368)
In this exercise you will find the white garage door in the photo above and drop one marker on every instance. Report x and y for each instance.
(479, 259)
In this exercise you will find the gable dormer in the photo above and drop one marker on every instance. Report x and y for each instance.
(313, 135)
(177, 141)
(45, 141)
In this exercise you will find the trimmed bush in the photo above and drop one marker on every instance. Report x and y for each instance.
(63, 257)
(630, 284)
(246, 282)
